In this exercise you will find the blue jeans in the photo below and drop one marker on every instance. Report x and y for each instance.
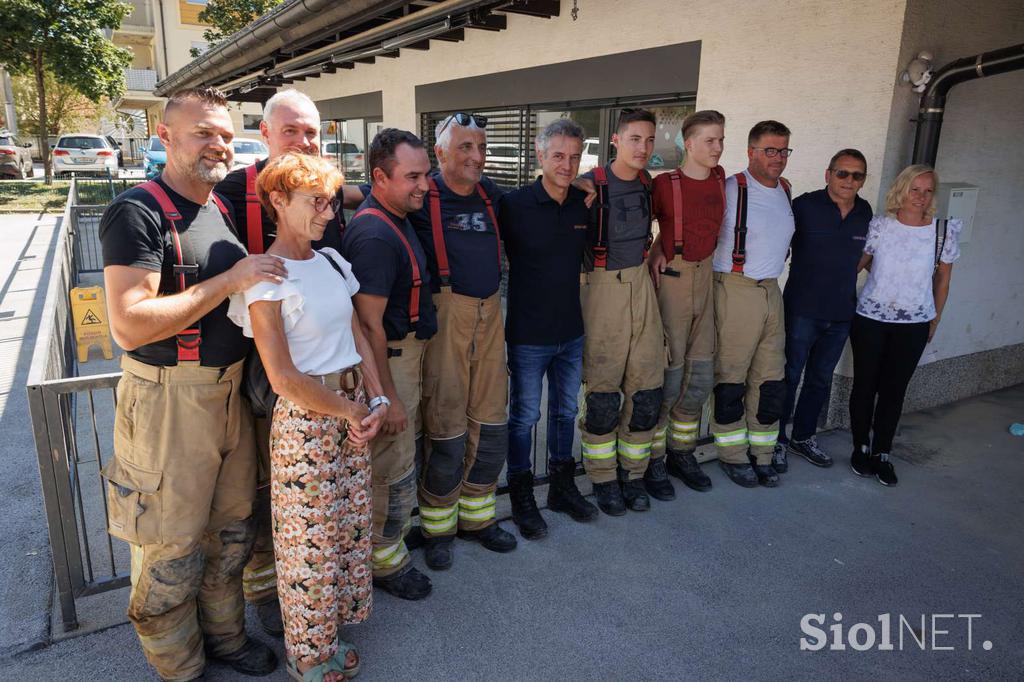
(563, 365)
(813, 348)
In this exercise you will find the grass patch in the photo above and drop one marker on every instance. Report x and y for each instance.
(16, 195)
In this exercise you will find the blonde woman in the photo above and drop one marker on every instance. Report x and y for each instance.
(312, 347)
(909, 256)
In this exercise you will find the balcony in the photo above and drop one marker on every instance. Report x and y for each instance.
(140, 20)
(140, 79)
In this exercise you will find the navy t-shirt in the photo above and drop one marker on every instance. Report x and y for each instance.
(822, 280)
(134, 232)
(470, 238)
(544, 242)
(381, 264)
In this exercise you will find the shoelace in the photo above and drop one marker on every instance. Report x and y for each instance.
(884, 456)
(812, 445)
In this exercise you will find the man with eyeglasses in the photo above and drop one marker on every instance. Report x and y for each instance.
(820, 298)
(751, 254)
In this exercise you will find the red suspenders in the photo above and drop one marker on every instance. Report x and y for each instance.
(253, 214)
(739, 244)
(599, 243)
(437, 230)
(184, 272)
(417, 281)
(676, 178)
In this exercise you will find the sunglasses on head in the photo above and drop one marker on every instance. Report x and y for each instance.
(463, 119)
(843, 174)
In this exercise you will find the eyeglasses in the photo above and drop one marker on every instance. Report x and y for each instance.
(775, 151)
(320, 204)
(843, 174)
(463, 119)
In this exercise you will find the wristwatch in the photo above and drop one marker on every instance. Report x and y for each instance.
(378, 401)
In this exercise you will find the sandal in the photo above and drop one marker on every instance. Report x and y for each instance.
(335, 663)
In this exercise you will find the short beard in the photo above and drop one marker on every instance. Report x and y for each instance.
(207, 175)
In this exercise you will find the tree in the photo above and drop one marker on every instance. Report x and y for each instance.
(228, 16)
(64, 37)
(66, 108)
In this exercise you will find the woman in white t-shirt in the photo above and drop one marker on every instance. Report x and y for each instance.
(909, 256)
(309, 339)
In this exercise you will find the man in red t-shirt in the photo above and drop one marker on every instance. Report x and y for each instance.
(689, 203)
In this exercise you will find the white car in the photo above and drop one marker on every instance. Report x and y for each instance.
(591, 155)
(248, 151)
(84, 153)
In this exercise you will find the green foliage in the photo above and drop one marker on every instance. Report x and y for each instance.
(228, 16)
(66, 108)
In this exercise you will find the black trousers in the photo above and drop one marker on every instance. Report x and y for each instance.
(885, 355)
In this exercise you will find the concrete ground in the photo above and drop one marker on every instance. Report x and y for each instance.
(709, 586)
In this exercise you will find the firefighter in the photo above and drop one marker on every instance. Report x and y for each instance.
(624, 354)
(465, 380)
(749, 366)
(689, 203)
(398, 319)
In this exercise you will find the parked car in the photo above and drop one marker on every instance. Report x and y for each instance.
(15, 157)
(117, 148)
(248, 151)
(154, 157)
(591, 154)
(352, 161)
(83, 153)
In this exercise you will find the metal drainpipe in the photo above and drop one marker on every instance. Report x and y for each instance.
(933, 101)
(163, 42)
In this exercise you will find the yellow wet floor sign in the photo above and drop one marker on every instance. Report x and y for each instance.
(89, 314)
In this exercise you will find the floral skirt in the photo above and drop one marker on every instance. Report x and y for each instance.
(320, 500)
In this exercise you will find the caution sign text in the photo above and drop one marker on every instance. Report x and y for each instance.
(89, 313)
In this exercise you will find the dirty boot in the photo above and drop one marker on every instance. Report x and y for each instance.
(609, 498)
(493, 537)
(437, 552)
(269, 615)
(633, 493)
(684, 466)
(564, 496)
(254, 658)
(656, 480)
(406, 584)
(525, 514)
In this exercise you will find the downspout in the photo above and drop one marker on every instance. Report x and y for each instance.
(163, 41)
(933, 101)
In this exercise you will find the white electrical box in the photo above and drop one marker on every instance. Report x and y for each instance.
(958, 200)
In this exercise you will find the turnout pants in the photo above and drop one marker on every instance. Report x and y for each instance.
(465, 395)
(749, 367)
(687, 311)
(623, 370)
(394, 461)
(259, 579)
(180, 492)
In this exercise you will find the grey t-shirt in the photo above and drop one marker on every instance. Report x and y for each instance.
(629, 219)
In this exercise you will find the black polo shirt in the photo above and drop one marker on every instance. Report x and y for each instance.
(381, 264)
(822, 280)
(544, 242)
(232, 188)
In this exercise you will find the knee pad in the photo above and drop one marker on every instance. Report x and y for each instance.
(173, 582)
(672, 387)
(490, 454)
(236, 540)
(445, 465)
(702, 378)
(769, 405)
(646, 406)
(401, 500)
(729, 403)
(602, 413)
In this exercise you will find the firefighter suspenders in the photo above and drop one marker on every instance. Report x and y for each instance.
(417, 280)
(186, 270)
(437, 230)
(253, 214)
(676, 178)
(599, 241)
(739, 244)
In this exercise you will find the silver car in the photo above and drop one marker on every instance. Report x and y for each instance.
(82, 153)
(15, 157)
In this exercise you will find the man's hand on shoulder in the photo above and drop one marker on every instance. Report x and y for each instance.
(252, 270)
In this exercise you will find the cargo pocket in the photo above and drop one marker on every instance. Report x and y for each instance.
(133, 502)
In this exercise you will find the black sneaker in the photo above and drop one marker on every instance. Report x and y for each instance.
(406, 584)
(741, 474)
(860, 461)
(684, 466)
(269, 615)
(254, 658)
(881, 467)
(656, 480)
(609, 498)
(493, 537)
(779, 462)
(811, 451)
(437, 552)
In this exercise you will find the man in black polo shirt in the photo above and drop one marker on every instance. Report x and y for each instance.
(544, 226)
(820, 296)
(183, 476)
(398, 318)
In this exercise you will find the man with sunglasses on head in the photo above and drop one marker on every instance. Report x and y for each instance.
(751, 254)
(820, 298)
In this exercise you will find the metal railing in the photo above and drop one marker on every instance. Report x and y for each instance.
(140, 79)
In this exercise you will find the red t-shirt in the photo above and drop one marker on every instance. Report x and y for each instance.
(703, 207)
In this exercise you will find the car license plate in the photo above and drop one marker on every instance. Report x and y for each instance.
(86, 159)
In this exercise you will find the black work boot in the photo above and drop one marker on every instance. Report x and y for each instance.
(564, 496)
(609, 498)
(656, 480)
(437, 552)
(525, 514)
(269, 615)
(766, 474)
(741, 474)
(493, 537)
(254, 658)
(684, 466)
(408, 583)
(414, 539)
(633, 493)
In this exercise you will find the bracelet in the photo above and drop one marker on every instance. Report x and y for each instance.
(378, 401)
